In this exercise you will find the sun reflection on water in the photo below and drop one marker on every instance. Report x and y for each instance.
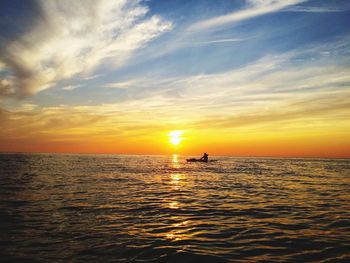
(176, 182)
(175, 158)
(177, 178)
(178, 232)
(174, 205)
(175, 162)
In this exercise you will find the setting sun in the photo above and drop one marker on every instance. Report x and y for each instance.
(175, 137)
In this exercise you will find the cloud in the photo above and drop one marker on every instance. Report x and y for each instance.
(49, 119)
(275, 88)
(126, 84)
(73, 38)
(308, 110)
(200, 32)
(29, 106)
(255, 8)
(324, 7)
(218, 41)
(6, 87)
(93, 77)
(71, 87)
(291, 90)
(268, 95)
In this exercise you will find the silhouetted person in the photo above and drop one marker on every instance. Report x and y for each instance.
(205, 157)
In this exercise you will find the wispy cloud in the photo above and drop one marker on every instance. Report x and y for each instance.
(29, 106)
(127, 84)
(274, 88)
(218, 41)
(6, 87)
(72, 38)
(255, 8)
(93, 77)
(200, 32)
(273, 93)
(330, 109)
(71, 87)
(325, 7)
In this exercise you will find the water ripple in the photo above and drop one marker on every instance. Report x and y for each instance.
(115, 208)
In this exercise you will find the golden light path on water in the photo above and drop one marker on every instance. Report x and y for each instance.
(177, 181)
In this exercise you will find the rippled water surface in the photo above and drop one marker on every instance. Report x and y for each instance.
(116, 208)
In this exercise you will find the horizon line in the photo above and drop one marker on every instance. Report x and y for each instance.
(145, 154)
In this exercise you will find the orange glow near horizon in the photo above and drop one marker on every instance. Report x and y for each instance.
(197, 142)
(272, 139)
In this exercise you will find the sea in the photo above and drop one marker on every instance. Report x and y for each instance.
(124, 208)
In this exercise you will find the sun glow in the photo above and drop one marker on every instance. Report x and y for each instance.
(175, 137)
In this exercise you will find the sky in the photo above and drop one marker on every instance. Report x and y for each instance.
(228, 77)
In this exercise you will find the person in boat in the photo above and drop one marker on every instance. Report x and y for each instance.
(204, 157)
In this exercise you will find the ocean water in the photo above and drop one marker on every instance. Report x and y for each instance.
(119, 208)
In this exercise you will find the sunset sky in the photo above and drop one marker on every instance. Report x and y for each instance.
(229, 77)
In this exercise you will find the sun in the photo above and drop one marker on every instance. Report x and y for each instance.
(175, 137)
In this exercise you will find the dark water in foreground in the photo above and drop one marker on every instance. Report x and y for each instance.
(114, 208)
